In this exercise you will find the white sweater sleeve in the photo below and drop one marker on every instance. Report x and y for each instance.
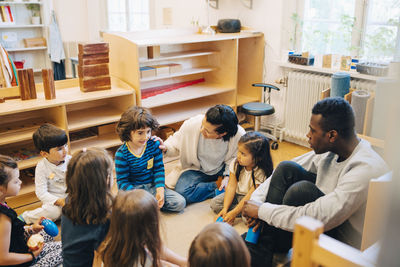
(41, 185)
(173, 142)
(332, 209)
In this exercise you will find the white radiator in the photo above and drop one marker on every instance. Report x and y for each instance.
(303, 91)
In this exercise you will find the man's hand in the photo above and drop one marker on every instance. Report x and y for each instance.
(224, 183)
(60, 202)
(160, 196)
(161, 146)
(250, 209)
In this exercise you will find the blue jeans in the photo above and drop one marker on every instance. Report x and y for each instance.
(172, 200)
(196, 186)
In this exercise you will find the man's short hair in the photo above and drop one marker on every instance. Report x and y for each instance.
(48, 136)
(226, 118)
(337, 115)
(135, 118)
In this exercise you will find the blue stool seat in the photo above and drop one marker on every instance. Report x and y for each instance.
(258, 109)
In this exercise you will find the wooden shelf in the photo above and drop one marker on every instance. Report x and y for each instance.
(167, 114)
(184, 94)
(15, 26)
(103, 141)
(91, 117)
(23, 49)
(182, 73)
(178, 55)
(2, 3)
(17, 136)
(243, 99)
(28, 163)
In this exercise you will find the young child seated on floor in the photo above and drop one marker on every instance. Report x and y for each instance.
(139, 161)
(134, 235)
(85, 216)
(251, 167)
(14, 234)
(50, 173)
(217, 245)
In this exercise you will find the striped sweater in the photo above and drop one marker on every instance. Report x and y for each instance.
(133, 170)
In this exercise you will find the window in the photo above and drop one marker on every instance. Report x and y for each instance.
(128, 15)
(365, 28)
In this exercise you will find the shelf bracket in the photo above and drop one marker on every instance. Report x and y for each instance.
(213, 3)
(247, 3)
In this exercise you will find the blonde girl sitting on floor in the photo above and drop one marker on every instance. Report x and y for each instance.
(134, 235)
(251, 167)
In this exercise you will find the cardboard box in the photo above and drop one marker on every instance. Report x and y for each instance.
(161, 70)
(147, 72)
(174, 68)
(327, 61)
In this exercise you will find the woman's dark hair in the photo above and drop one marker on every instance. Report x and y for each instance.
(135, 118)
(218, 244)
(225, 118)
(48, 136)
(6, 163)
(88, 187)
(258, 146)
(337, 115)
(134, 228)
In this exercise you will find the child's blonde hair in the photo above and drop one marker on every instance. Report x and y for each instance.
(218, 244)
(134, 228)
(88, 186)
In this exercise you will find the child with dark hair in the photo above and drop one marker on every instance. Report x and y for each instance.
(14, 234)
(250, 169)
(217, 245)
(137, 243)
(139, 161)
(50, 173)
(206, 145)
(85, 218)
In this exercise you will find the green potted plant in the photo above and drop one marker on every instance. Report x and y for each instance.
(35, 10)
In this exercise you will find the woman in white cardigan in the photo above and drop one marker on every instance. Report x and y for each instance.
(205, 144)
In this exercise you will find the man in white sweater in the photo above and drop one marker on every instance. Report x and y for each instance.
(329, 183)
(206, 144)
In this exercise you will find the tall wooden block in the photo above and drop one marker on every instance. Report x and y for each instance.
(93, 59)
(95, 84)
(23, 82)
(32, 86)
(93, 70)
(93, 48)
(153, 51)
(48, 84)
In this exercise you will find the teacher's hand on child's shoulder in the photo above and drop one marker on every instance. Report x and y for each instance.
(161, 146)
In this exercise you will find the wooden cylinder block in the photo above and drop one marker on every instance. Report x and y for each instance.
(48, 84)
(27, 88)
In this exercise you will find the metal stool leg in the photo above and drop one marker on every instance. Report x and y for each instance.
(257, 123)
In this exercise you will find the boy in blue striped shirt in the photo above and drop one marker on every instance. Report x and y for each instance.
(139, 161)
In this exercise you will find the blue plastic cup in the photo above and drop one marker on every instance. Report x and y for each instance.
(220, 219)
(50, 227)
(252, 237)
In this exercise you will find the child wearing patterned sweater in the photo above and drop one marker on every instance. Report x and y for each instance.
(49, 173)
(139, 161)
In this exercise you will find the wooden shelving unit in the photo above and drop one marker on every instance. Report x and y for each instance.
(72, 110)
(228, 63)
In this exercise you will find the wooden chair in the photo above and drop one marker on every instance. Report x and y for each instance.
(313, 248)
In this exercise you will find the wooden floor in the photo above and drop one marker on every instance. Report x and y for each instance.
(287, 151)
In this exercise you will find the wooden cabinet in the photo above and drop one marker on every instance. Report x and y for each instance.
(222, 68)
(26, 20)
(88, 118)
